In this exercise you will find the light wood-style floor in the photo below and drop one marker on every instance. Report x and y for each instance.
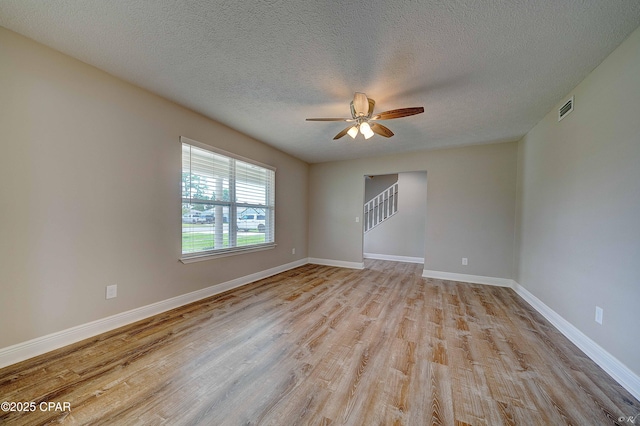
(325, 345)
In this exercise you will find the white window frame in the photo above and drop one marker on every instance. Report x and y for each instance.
(232, 205)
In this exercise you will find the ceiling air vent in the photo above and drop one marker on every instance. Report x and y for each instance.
(565, 109)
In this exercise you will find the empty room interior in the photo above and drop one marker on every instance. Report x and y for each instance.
(283, 212)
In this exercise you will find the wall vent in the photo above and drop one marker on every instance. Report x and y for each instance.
(565, 109)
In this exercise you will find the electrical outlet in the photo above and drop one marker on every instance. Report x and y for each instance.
(599, 313)
(357, 219)
(293, 250)
(112, 291)
(465, 261)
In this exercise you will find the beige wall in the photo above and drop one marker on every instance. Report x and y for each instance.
(470, 207)
(579, 206)
(374, 185)
(90, 194)
(403, 233)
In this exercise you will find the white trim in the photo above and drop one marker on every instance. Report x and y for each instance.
(208, 255)
(338, 263)
(617, 370)
(475, 279)
(393, 258)
(40, 345)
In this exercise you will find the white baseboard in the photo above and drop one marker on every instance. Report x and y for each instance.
(25, 350)
(40, 345)
(475, 279)
(394, 258)
(338, 263)
(617, 370)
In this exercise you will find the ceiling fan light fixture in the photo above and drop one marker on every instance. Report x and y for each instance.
(353, 132)
(366, 131)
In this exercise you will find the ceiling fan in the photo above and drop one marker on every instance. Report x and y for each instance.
(364, 120)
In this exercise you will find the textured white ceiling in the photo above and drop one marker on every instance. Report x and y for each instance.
(485, 71)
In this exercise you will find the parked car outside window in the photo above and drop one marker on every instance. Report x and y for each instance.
(250, 222)
(193, 218)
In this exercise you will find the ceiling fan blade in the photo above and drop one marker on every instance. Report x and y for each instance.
(381, 130)
(342, 133)
(398, 113)
(360, 104)
(329, 119)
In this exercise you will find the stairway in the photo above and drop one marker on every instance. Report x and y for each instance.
(381, 207)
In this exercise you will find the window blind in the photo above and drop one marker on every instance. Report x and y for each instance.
(228, 202)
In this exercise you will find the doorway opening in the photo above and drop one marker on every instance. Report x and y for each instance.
(395, 212)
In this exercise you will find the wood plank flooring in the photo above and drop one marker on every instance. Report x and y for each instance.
(322, 345)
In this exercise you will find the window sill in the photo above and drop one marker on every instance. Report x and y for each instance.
(201, 257)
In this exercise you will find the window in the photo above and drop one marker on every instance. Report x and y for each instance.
(228, 203)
